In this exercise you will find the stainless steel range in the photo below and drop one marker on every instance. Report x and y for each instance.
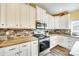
(43, 40)
(44, 45)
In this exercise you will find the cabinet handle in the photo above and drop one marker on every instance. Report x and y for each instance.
(24, 45)
(69, 41)
(34, 43)
(16, 25)
(19, 52)
(12, 49)
(69, 46)
(2, 24)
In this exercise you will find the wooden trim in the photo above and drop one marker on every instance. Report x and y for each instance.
(61, 14)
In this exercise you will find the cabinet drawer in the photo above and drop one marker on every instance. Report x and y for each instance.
(34, 42)
(24, 44)
(11, 50)
(25, 49)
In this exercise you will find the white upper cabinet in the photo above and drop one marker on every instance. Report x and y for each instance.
(3, 15)
(68, 21)
(32, 19)
(41, 14)
(62, 22)
(17, 15)
(49, 21)
(24, 15)
(52, 22)
(38, 12)
(27, 16)
(13, 15)
(65, 22)
(20, 16)
(56, 22)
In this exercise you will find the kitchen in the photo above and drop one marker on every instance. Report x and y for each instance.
(29, 29)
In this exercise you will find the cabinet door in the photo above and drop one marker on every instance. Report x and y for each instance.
(57, 21)
(67, 21)
(2, 51)
(32, 17)
(61, 40)
(25, 49)
(53, 41)
(52, 22)
(34, 48)
(17, 15)
(23, 16)
(48, 22)
(38, 11)
(62, 22)
(28, 16)
(3, 16)
(69, 42)
(10, 15)
(11, 50)
(13, 15)
(43, 16)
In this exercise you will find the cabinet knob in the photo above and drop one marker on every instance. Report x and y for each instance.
(34, 43)
(2, 24)
(24, 45)
(12, 49)
(16, 25)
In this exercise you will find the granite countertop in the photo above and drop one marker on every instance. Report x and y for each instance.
(59, 34)
(66, 35)
(15, 41)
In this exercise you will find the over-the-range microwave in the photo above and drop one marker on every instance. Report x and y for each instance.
(40, 25)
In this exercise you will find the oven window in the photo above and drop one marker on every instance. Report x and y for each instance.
(44, 45)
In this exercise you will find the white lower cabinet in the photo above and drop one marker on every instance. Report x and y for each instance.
(11, 50)
(34, 48)
(1, 51)
(64, 41)
(61, 40)
(24, 49)
(68, 42)
(53, 41)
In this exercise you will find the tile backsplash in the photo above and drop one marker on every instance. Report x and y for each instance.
(11, 34)
(60, 31)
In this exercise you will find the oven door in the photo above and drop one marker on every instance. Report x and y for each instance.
(44, 45)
